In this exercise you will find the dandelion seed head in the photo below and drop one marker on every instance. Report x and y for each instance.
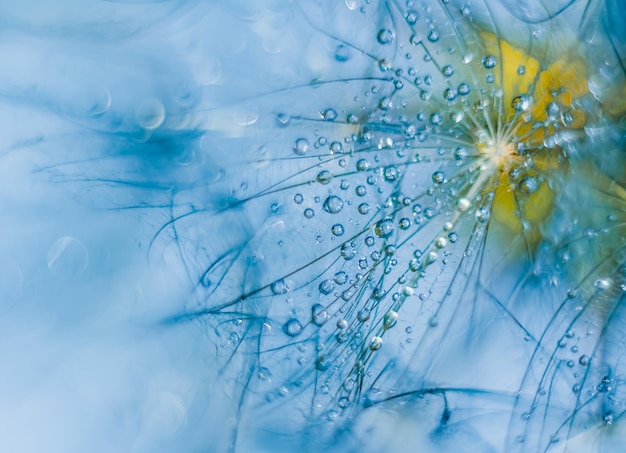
(421, 160)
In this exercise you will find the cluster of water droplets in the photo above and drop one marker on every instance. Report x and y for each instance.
(393, 207)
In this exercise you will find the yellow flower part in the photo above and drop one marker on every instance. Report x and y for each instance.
(532, 95)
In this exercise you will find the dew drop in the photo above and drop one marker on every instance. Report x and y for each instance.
(301, 146)
(450, 94)
(521, 103)
(280, 287)
(336, 148)
(433, 36)
(384, 37)
(411, 17)
(324, 177)
(363, 315)
(390, 173)
(390, 319)
(529, 185)
(329, 115)
(326, 287)
(341, 278)
(438, 177)
(319, 315)
(337, 229)
(384, 228)
(322, 363)
(293, 327)
(342, 53)
(348, 251)
(333, 204)
(482, 215)
(489, 62)
(375, 343)
(362, 165)
(264, 374)
(447, 70)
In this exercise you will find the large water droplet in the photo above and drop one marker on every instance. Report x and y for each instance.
(301, 146)
(384, 36)
(280, 287)
(319, 315)
(326, 287)
(292, 327)
(384, 228)
(333, 204)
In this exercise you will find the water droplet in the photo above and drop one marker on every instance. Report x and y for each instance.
(450, 94)
(436, 118)
(411, 16)
(309, 213)
(447, 70)
(342, 324)
(385, 65)
(326, 287)
(362, 165)
(384, 36)
(602, 284)
(463, 89)
(337, 229)
(151, 114)
(264, 374)
(384, 228)
(293, 327)
(319, 315)
(336, 148)
(363, 315)
(333, 204)
(280, 287)
(438, 177)
(348, 251)
(342, 53)
(521, 103)
(360, 191)
(375, 343)
(433, 36)
(324, 177)
(390, 173)
(341, 278)
(390, 319)
(482, 215)
(529, 185)
(329, 115)
(322, 363)
(552, 109)
(489, 62)
(404, 223)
